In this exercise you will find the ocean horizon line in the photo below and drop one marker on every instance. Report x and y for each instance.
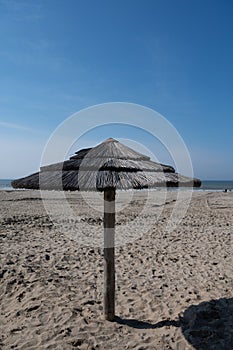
(207, 185)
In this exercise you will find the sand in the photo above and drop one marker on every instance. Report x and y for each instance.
(174, 289)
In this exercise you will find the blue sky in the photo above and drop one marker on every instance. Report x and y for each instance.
(58, 57)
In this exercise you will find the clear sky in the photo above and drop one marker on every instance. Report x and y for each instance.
(59, 56)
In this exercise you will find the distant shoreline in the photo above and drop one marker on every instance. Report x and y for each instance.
(207, 185)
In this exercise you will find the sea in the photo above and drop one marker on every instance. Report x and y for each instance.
(5, 184)
(207, 185)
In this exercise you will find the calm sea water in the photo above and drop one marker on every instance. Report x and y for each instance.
(206, 185)
(217, 185)
(5, 184)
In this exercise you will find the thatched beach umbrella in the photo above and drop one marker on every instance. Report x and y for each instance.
(108, 167)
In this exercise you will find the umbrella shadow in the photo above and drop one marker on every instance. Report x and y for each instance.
(145, 325)
(209, 325)
(206, 326)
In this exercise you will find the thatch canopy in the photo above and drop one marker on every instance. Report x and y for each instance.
(109, 165)
(106, 167)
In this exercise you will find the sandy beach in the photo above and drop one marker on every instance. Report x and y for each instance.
(174, 290)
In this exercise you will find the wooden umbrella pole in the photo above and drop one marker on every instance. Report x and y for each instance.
(109, 263)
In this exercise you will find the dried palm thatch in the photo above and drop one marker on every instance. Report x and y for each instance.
(108, 165)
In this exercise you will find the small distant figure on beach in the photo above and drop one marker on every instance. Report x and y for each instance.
(225, 190)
